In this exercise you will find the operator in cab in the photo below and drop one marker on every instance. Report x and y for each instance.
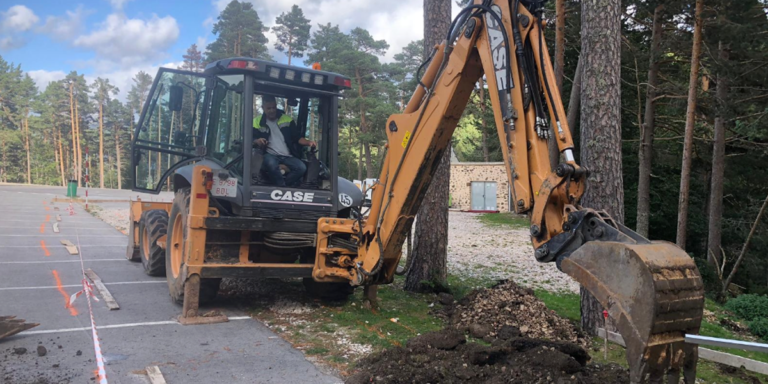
(276, 132)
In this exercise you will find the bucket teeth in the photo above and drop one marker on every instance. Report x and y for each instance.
(654, 302)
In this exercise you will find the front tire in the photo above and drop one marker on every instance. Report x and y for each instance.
(152, 227)
(175, 273)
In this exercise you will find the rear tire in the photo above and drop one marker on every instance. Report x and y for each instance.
(175, 273)
(153, 226)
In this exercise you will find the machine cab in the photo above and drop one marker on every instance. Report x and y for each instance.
(214, 118)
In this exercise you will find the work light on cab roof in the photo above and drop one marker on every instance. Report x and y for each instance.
(279, 72)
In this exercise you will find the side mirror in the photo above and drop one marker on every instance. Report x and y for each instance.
(176, 97)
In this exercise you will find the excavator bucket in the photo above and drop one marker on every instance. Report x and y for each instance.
(10, 325)
(654, 294)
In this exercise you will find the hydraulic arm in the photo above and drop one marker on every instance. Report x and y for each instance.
(652, 290)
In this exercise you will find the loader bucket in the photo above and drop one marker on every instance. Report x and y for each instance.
(10, 325)
(653, 292)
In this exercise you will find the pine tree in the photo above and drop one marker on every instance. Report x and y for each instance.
(431, 234)
(292, 30)
(240, 34)
(600, 122)
(102, 90)
(690, 122)
(193, 60)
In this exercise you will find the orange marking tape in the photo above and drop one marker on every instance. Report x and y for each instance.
(45, 249)
(42, 228)
(47, 218)
(47, 208)
(72, 310)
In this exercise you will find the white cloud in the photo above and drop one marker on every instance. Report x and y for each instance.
(65, 27)
(201, 42)
(118, 4)
(18, 18)
(120, 41)
(123, 78)
(42, 77)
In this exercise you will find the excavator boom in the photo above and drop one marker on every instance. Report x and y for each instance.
(652, 290)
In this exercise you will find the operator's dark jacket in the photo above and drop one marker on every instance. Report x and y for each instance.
(291, 132)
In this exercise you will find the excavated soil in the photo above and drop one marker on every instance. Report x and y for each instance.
(528, 343)
(509, 308)
(446, 357)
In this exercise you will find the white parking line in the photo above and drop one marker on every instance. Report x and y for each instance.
(61, 246)
(113, 326)
(62, 236)
(80, 285)
(57, 261)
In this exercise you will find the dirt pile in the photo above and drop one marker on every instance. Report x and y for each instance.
(509, 308)
(445, 357)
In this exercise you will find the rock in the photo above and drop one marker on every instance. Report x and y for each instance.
(55, 365)
(41, 351)
(507, 332)
(445, 298)
(79, 353)
(20, 351)
(479, 330)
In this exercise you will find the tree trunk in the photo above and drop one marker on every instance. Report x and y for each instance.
(601, 122)
(554, 151)
(79, 145)
(117, 155)
(690, 120)
(574, 103)
(646, 142)
(61, 159)
(74, 131)
(101, 145)
(360, 163)
(368, 162)
(483, 127)
(29, 150)
(718, 160)
(429, 269)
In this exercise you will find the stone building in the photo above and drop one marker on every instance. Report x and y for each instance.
(479, 186)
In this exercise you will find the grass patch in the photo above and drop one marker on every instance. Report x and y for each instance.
(505, 219)
(566, 305)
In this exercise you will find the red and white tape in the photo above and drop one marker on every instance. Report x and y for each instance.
(88, 290)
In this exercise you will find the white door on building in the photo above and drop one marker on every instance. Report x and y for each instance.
(483, 195)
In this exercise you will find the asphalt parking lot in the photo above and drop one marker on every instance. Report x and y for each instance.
(38, 275)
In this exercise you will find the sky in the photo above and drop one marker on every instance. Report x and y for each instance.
(117, 38)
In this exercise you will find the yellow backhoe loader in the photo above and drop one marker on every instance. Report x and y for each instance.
(194, 138)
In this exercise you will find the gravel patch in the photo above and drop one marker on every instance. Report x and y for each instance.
(476, 250)
(116, 217)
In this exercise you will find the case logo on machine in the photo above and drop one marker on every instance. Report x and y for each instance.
(498, 50)
(345, 200)
(292, 196)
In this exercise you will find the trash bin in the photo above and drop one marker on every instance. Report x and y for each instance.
(72, 188)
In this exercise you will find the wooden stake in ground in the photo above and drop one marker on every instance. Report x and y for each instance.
(690, 121)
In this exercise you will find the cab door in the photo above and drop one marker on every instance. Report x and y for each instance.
(169, 134)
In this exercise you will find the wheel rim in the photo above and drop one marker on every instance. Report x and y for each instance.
(145, 243)
(177, 245)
